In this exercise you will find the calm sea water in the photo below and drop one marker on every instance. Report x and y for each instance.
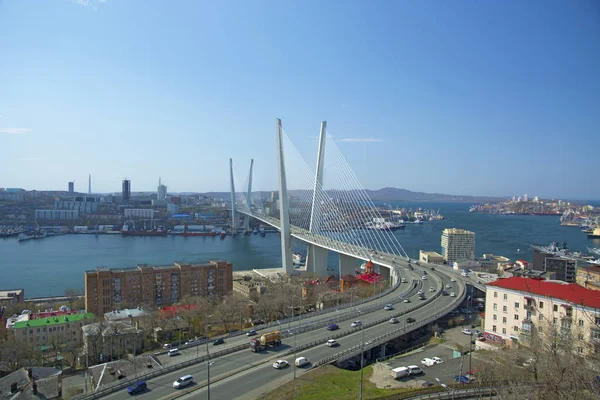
(51, 265)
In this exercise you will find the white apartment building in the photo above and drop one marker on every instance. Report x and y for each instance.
(516, 307)
(458, 245)
(139, 213)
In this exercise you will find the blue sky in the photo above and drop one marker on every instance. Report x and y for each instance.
(461, 97)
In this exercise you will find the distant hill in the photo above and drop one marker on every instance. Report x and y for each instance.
(393, 194)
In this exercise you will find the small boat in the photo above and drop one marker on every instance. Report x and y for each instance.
(222, 234)
(255, 231)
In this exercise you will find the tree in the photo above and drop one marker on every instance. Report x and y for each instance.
(75, 298)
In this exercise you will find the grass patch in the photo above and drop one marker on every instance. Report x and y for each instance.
(437, 340)
(329, 382)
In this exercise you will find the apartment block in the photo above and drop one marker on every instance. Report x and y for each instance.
(114, 289)
(431, 257)
(517, 308)
(458, 245)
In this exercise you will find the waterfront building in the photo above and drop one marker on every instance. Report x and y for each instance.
(57, 215)
(250, 289)
(521, 309)
(560, 267)
(11, 296)
(71, 187)
(431, 257)
(66, 329)
(113, 289)
(147, 213)
(589, 277)
(82, 205)
(457, 245)
(126, 190)
(492, 261)
(161, 191)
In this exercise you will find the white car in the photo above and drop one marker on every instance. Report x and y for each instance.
(301, 362)
(183, 381)
(448, 286)
(403, 280)
(428, 362)
(432, 289)
(388, 307)
(332, 343)
(356, 324)
(420, 291)
(437, 360)
(406, 301)
(424, 277)
(393, 320)
(452, 279)
(174, 352)
(452, 294)
(279, 364)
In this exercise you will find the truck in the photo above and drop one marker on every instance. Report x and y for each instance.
(400, 372)
(269, 339)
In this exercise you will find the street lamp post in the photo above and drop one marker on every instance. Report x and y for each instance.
(362, 358)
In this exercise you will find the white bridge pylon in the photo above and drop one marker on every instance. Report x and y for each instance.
(328, 209)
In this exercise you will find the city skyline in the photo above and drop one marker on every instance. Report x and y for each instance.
(473, 99)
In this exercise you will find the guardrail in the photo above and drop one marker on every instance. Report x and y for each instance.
(382, 359)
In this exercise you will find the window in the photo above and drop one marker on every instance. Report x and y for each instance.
(505, 296)
(554, 321)
(504, 331)
(580, 322)
(495, 306)
(541, 304)
(515, 328)
(503, 320)
(597, 320)
(555, 308)
(495, 295)
(595, 334)
(38, 330)
(504, 308)
(494, 328)
(44, 329)
(541, 317)
(516, 317)
(495, 317)
(580, 350)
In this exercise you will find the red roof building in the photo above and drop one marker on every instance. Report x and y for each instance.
(172, 311)
(571, 292)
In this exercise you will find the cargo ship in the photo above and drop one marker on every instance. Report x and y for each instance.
(192, 232)
(595, 234)
(31, 235)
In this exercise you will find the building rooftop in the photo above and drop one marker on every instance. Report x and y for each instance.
(45, 377)
(592, 268)
(54, 320)
(10, 293)
(571, 292)
(125, 314)
(458, 231)
(50, 314)
(431, 253)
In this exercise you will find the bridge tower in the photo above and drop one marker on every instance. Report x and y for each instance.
(284, 217)
(316, 259)
(234, 215)
(248, 198)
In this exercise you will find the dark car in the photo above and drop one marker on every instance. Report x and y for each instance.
(333, 327)
(410, 320)
(218, 341)
(137, 387)
(444, 293)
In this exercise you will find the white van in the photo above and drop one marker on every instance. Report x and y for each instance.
(400, 372)
(301, 362)
(183, 381)
(414, 370)
(173, 352)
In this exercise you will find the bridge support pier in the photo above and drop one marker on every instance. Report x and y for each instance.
(316, 260)
(249, 198)
(385, 274)
(382, 350)
(347, 265)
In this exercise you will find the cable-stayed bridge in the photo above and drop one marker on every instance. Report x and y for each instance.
(328, 209)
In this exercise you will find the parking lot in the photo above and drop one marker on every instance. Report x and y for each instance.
(445, 371)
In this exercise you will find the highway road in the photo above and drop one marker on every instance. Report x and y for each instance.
(245, 374)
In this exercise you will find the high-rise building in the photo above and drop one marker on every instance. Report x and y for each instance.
(526, 197)
(558, 266)
(126, 190)
(71, 187)
(162, 191)
(458, 245)
(114, 289)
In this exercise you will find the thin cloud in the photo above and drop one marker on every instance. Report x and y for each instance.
(361, 140)
(88, 3)
(2, 116)
(15, 131)
(30, 158)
